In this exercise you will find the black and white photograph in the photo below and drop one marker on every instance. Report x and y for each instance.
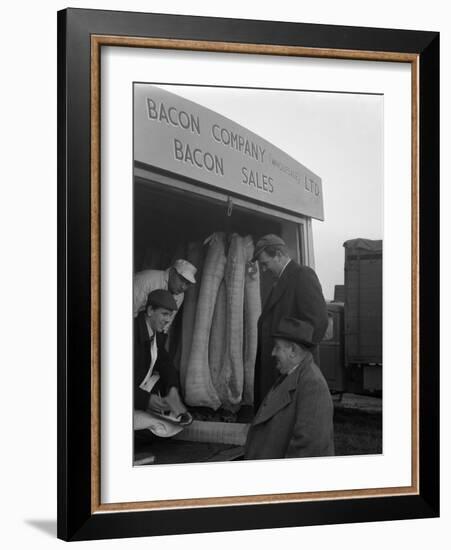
(225, 252)
(257, 273)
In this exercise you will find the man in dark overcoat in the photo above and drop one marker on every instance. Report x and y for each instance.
(296, 292)
(295, 418)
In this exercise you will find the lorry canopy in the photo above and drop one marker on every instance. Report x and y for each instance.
(364, 244)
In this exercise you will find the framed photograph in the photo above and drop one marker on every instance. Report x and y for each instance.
(248, 274)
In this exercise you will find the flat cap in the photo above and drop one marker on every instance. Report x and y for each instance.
(295, 330)
(161, 298)
(264, 242)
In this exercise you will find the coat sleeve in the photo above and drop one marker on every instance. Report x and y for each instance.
(313, 428)
(140, 366)
(311, 303)
(141, 286)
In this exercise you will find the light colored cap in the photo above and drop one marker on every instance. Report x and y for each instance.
(164, 428)
(146, 420)
(186, 270)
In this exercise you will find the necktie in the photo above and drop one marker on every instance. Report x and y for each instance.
(273, 286)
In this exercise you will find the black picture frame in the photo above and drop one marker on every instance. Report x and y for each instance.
(79, 517)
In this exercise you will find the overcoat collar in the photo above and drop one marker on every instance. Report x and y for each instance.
(282, 395)
(141, 327)
(280, 286)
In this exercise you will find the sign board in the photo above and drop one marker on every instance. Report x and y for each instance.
(182, 137)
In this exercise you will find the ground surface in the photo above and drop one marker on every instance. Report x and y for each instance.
(358, 425)
(357, 428)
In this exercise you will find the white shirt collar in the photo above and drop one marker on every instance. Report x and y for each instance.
(293, 369)
(283, 268)
(149, 328)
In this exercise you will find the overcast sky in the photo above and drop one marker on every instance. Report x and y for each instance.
(338, 136)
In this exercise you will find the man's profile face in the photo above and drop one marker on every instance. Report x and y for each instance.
(176, 283)
(282, 351)
(159, 318)
(268, 263)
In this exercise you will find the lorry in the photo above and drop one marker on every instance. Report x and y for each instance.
(351, 352)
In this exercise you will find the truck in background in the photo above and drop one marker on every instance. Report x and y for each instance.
(351, 351)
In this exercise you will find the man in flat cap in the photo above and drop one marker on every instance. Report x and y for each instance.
(177, 279)
(296, 292)
(156, 385)
(296, 417)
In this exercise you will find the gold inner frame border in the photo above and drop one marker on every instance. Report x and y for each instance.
(97, 41)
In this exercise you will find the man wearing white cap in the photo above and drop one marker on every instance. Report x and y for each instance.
(177, 279)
